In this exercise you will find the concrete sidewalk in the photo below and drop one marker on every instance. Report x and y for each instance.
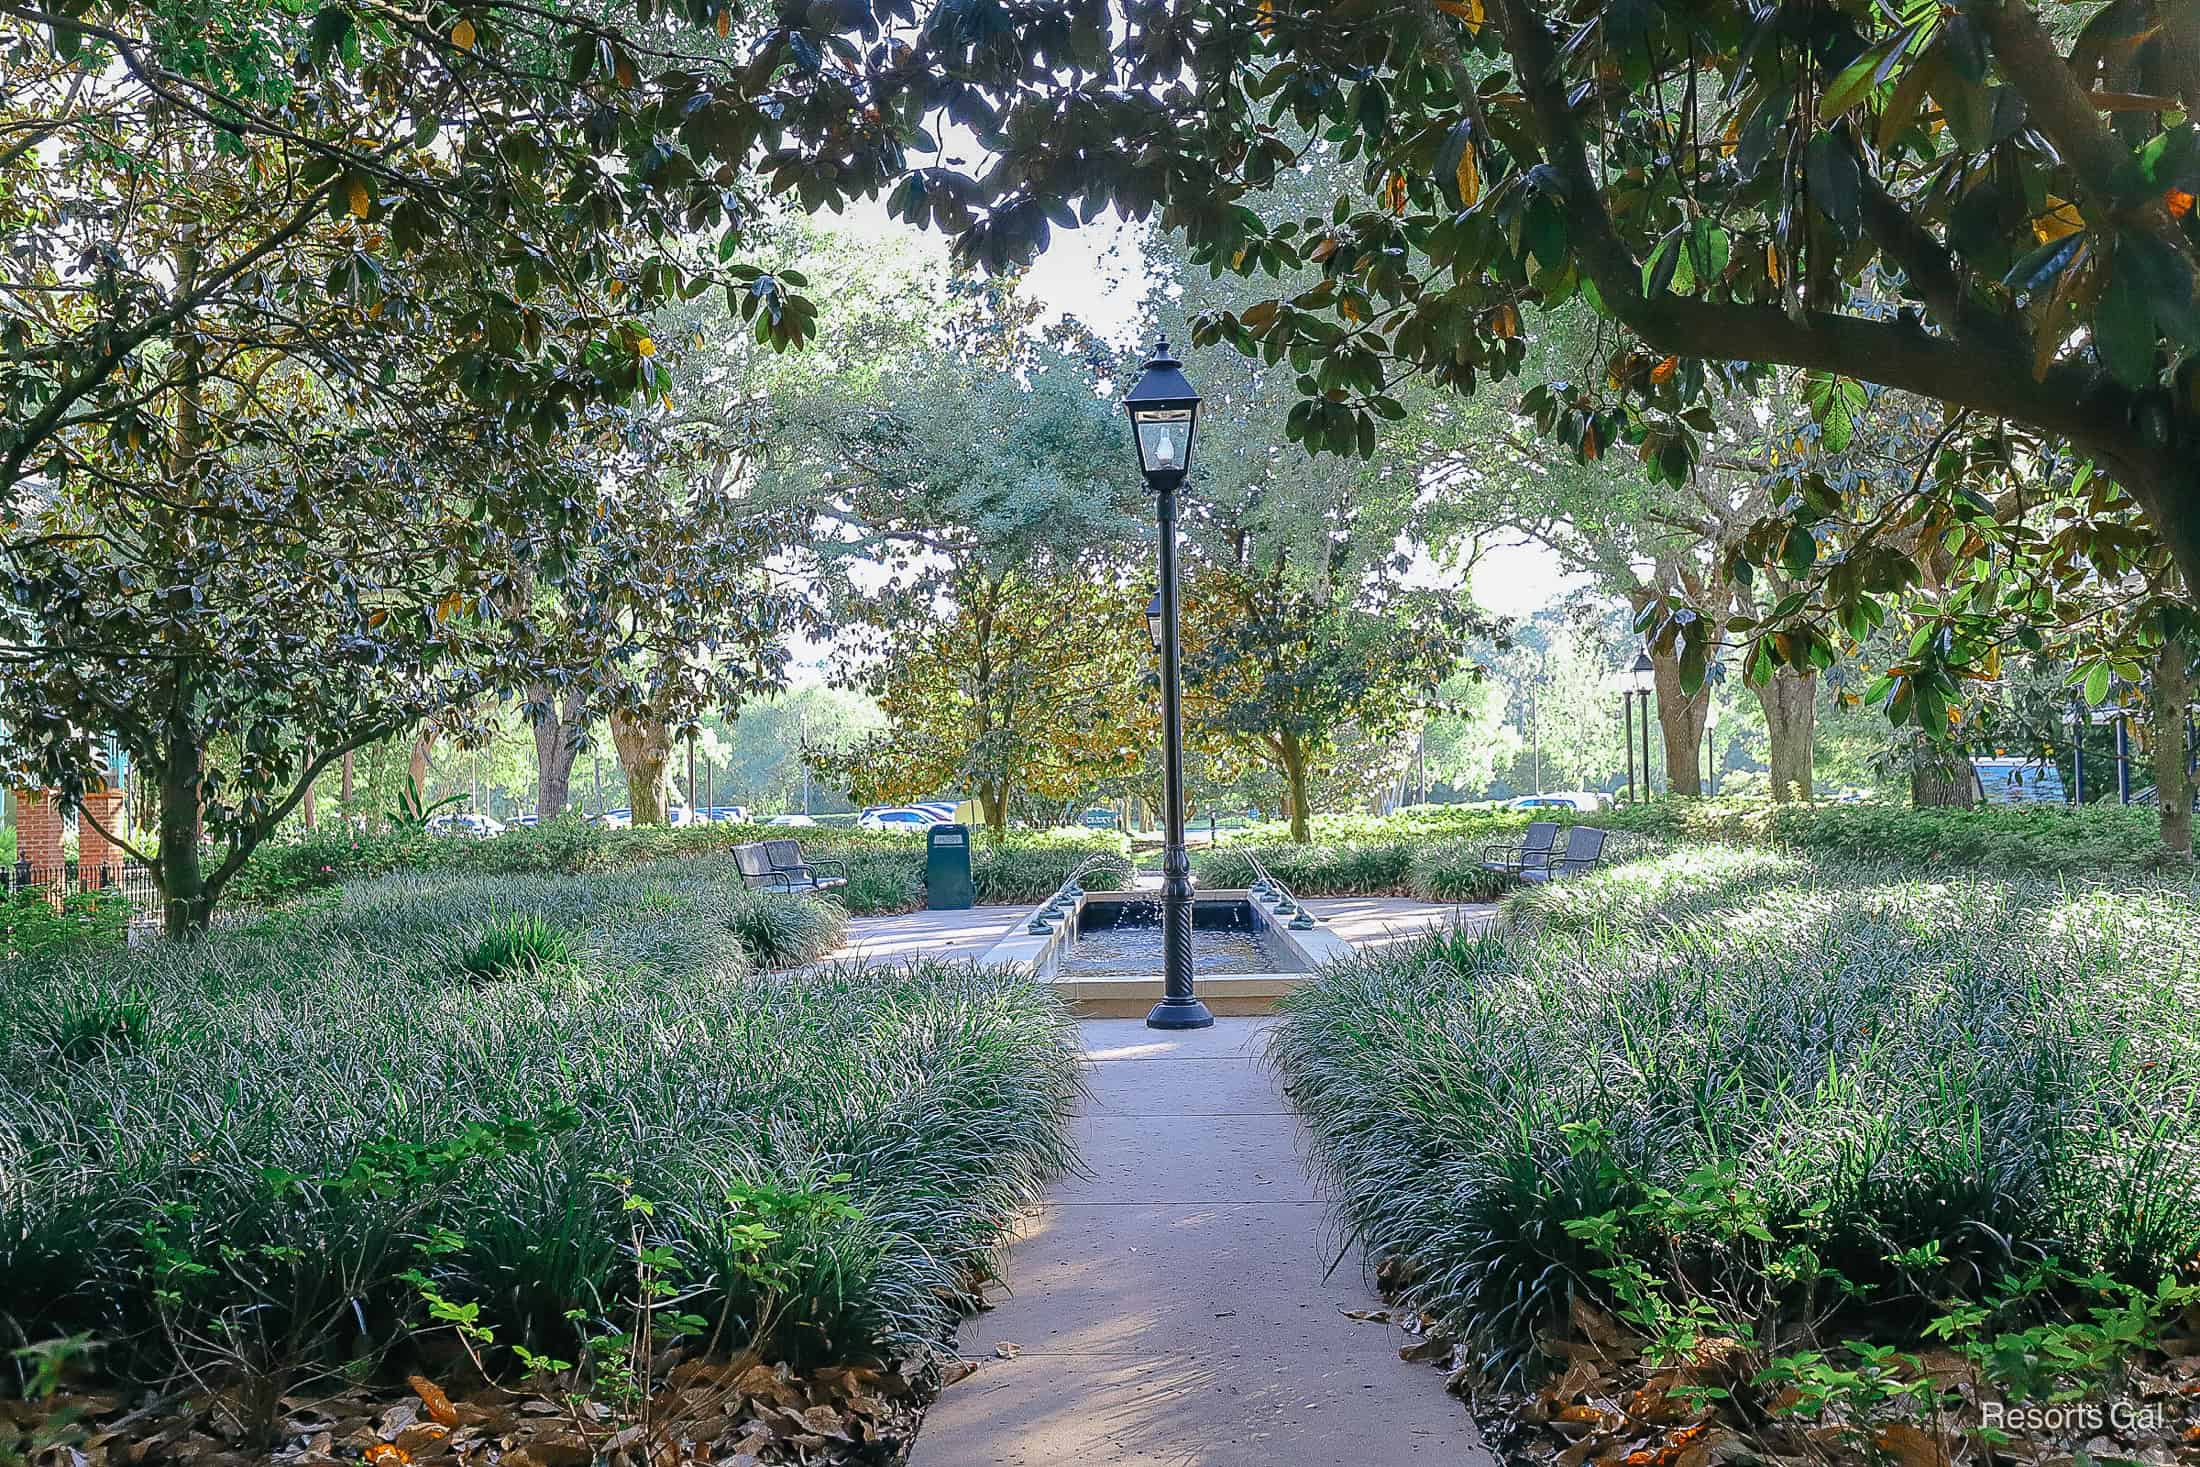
(968, 933)
(1170, 1308)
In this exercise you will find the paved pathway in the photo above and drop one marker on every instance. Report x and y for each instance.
(1372, 921)
(1170, 1309)
(964, 934)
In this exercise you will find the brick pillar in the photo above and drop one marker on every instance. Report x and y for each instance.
(98, 862)
(38, 834)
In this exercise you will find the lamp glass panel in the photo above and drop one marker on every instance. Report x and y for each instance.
(1164, 440)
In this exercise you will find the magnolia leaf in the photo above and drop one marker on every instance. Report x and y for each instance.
(2123, 326)
(1836, 185)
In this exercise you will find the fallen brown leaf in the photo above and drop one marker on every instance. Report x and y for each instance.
(432, 1398)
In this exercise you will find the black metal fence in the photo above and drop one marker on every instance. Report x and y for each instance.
(128, 878)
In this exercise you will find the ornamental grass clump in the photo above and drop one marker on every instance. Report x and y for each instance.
(1729, 1090)
(784, 931)
(319, 1151)
(515, 947)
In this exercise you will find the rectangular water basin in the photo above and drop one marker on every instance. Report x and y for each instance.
(1104, 956)
(1123, 938)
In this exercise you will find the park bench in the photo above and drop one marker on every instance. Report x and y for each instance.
(786, 860)
(1584, 849)
(1531, 854)
(757, 870)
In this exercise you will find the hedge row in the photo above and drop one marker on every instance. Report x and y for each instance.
(1435, 852)
(885, 869)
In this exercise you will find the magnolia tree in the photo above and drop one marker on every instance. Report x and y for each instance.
(329, 613)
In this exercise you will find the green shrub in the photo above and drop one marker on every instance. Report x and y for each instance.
(106, 1026)
(32, 926)
(306, 1139)
(885, 868)
(1017, 873)
(1453, 871)
(783, 931)
(1393, 854)
(1313, 870)
(2046, 840)
(1815, 1092)
(515, 947)
(881, 884)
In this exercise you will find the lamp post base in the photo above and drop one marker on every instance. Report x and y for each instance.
(1180, 1013)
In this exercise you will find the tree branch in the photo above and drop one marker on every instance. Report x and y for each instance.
(84, 813)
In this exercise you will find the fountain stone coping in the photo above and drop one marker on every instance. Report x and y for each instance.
(1130, 996)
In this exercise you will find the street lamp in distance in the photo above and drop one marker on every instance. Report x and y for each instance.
(1640, 680)
(1164, 410)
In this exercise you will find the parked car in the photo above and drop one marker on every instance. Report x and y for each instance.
(899, 817)
(945, 809)
(464, 822)
(728, 814)
(795, 819)
(619, 819)
(1568, 800)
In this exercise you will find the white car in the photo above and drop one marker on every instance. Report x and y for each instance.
(898, 817)
(790, 820)
(465, 822)
(1565, 800)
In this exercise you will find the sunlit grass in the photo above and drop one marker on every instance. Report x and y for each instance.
(235, 1153)
(1983, 1072)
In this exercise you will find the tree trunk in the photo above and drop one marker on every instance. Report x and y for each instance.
(1940, 778)
(1680, 726)
(556, 747)
(2171, 697)
(416, 768)
(1791, 715)
(992, 802)
(1294, 785)
(186, 904)
(645, 753)
(306, 805)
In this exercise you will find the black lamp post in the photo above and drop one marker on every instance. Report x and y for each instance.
(1637, 680)
(1163, 409)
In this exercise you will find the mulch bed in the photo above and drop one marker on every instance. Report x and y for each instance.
(738, 1412)
(1603, 1405)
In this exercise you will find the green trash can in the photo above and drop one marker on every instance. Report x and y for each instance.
(947, 883)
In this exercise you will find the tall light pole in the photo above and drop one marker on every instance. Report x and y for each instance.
(1163, 409)
(1637, 680)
